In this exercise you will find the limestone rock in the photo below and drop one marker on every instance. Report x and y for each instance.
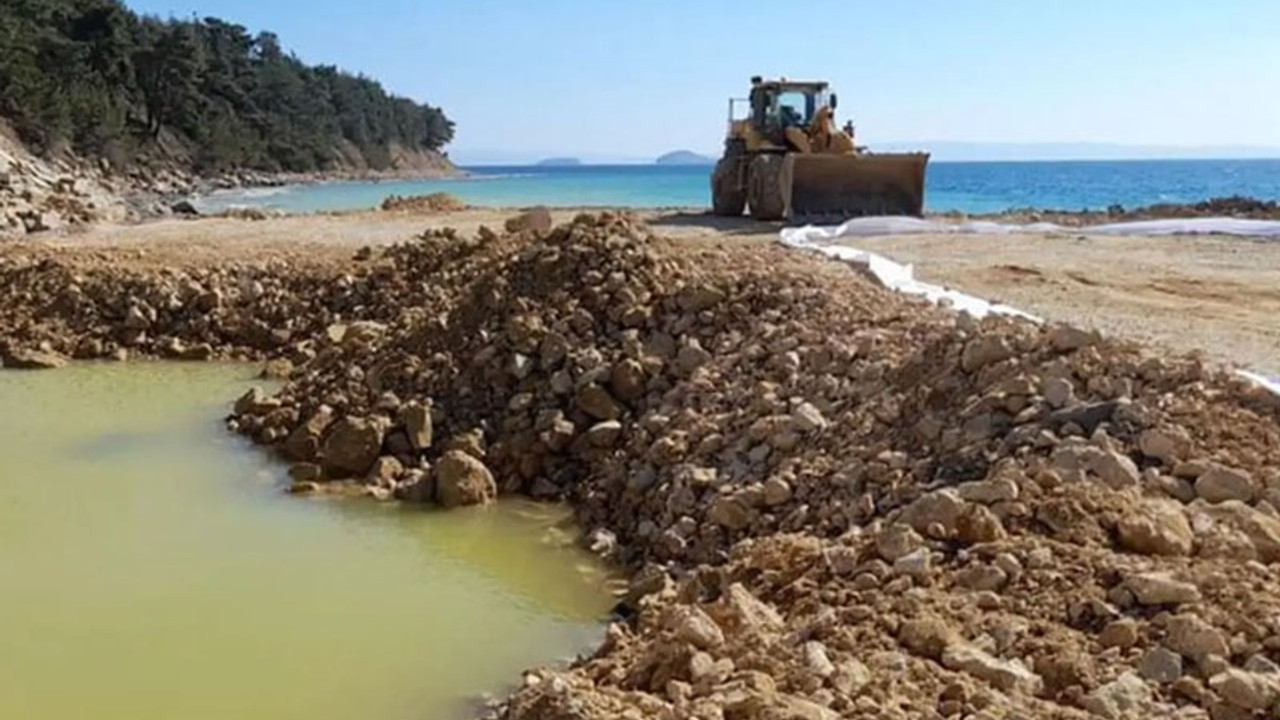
(1221, 484)
(1247, 690)
(32, 360)
(598, 403)
(351, 446)
(462, 479)
(1194, 638)
(416, 419)
(1125, 697)
(1154, 588)
(1160, 665)
(1004, 675)
(695, 627)
(1157, 527)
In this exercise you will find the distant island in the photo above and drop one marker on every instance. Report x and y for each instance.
(559, 162)
(684, 157)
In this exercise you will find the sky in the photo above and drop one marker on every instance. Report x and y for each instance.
(612, 80)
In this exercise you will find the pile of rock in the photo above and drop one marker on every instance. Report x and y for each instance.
(837, 501)
(433, 203)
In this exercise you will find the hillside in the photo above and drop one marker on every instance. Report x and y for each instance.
(91, 78)
(684, 157)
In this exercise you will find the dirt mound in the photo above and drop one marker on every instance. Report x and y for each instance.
(439, 202)
(836, 501)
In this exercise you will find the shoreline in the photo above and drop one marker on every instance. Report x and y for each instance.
(753, 433)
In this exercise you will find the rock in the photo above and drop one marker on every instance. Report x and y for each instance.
(1247, 690)
(604, 434)
(776, 491)
(1194, 638)
(1086, 416)
(303, 443)
(385, 471)
(850, 677)
(691, 357)
(1164, 445)
(277, 369)
(536, 219)
(926, 636)
(1220, 484)
(305, 472)
(808, 418)
(1261, 530)
(1004, 675)
(1058, 392)
(940, 507)
(598, 403)
(462, 479)
(790, 707)
(351, 446)
(1125, 697)
(984, 351)
(32, 360)
(184, 207)
(816, 660)
(1160, 665)
(416, 419)
(989, 491)
(898, 541)
(749, 614)
(255, 401)
(730, 511)
(628, 380)
(1065, 338)
(695, 627)
(1157, 527)
(1117, 471)
(1121, 634)
(1155, 588)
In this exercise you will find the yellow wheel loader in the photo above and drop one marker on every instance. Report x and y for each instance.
(786, 160)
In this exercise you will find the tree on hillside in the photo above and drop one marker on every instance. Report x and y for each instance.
(93, 76)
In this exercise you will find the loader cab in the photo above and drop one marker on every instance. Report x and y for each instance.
(779, 104)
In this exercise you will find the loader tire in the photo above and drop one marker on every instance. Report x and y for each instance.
(768, 187)
(727, 199)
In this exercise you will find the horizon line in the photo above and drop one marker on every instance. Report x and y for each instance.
(940, 161)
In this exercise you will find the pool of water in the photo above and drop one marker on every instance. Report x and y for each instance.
(151, 567)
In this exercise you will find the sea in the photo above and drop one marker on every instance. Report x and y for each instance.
(967, 187)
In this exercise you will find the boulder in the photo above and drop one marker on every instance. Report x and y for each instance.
(351, 446)
(1156, 527)
(462, 479)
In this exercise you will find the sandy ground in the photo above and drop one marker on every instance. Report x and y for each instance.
(1220, 295)
(1217, 295)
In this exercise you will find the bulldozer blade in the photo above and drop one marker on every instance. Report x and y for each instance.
(834, 188)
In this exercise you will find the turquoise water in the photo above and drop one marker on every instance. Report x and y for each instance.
(971, 187)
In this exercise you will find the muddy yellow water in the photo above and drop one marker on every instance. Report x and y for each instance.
(151, 567)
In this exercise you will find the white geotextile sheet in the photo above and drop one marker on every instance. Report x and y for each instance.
(901, 278)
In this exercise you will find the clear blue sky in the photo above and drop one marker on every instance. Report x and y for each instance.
(608, 79)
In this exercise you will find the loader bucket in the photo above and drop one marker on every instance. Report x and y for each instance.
(834, 188)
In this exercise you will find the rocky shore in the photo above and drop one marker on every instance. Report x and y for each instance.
(834, 501)
(40, 195)
(1235, 206)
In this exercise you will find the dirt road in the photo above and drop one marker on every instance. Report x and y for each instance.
(1217, 295)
